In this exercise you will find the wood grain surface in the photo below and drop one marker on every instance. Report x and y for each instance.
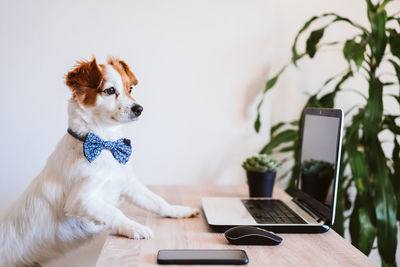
(328, 249)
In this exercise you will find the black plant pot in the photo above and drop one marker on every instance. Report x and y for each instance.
(261, 184)
(316, 186)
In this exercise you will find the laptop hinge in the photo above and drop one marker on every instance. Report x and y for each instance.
(308, 209)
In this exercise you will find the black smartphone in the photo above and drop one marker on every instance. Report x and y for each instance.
(202, 256)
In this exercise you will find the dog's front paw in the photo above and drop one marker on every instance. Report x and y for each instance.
(142, 233)
(137, 231)
(181, 212)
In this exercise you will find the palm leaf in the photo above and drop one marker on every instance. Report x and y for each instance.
(396, 68)
(354, 51)
(395, 177)
(270, 83)
(362, 220)
(313, 40)
(384, 199)
(340, 201)
(378, 38)
(394, 42)
(295, 54)
(283, 137)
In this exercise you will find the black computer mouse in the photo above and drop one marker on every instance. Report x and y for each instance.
(250, 235)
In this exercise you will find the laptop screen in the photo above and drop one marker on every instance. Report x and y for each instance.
(319, 161)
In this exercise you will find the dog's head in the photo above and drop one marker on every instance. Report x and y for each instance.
(105, 90)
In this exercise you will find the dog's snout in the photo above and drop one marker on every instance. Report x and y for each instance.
(137, 109)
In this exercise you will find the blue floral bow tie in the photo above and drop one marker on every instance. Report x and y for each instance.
(93, 145)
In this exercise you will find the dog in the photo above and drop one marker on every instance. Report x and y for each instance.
(77, 193)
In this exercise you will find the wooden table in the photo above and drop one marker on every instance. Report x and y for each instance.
(328, 249)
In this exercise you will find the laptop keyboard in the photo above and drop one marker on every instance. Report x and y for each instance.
(271, 211)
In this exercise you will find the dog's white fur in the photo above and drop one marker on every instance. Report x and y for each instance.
(71, 199)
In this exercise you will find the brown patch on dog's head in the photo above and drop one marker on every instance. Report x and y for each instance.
(128, 78)
(85, 81)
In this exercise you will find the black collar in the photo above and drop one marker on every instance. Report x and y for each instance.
(83, 138)
(75, 135)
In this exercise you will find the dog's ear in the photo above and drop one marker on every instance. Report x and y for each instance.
(124, 67)
(85, 81)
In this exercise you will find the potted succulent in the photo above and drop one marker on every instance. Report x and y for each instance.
(261, 172)
(316, 178)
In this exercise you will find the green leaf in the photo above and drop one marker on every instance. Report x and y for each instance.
(394, 42)
(384, 198)
(331, 79)
(340, 201)
(269, 84)
(354, 51)
(292, 183)
(373, 110)
(396, 97)
(313, 102)
(284, 175)
(362, 219)
(378, 38)
(313, 40)
(257, 123)
(356, 157)
(396, 68)
(338, 226)
(344, 19)
(295, 54)
(283, 137)
(389, 122)
(385, 210)
(334, 77)
(327, 100)
(371, 7)
(362, 229)
(344, 78)
(383, 4)
(286, 149)
(276, 127)
(279, 125)
(395, 177)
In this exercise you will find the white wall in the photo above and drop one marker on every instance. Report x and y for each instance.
(196, 61)
(200, 65)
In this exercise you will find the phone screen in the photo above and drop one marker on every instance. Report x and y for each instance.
(198, 256)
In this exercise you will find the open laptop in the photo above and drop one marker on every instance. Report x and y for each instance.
(312, 209)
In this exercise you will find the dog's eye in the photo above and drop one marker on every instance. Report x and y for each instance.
(130, 89)
(109, 91)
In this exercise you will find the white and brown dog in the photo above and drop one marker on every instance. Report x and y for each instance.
(77, 195)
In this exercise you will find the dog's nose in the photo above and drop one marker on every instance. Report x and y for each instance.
(137, 109)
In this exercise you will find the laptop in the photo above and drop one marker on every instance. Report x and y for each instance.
(312, 208)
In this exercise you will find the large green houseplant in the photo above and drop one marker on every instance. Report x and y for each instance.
(375, 211)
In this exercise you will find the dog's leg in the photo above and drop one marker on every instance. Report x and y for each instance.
(143, 197)
(96, 210)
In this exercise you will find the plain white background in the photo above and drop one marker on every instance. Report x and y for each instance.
(200, 65)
